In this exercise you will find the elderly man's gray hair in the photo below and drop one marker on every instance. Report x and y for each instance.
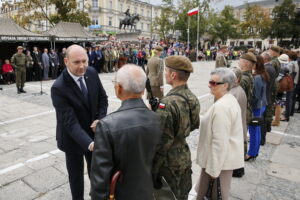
(266, 56)
(226, 75)
(237, 71)
(132, 78)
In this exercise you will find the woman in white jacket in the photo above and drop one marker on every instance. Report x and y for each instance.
(220, 148)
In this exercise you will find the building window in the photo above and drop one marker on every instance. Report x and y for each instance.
(142, 26)
(148, 27)
(95, 3)
(110, 21)
(148, 13)
(135, 10)
(110, 4)
(95, 21)
(142, 12)
(121, 7)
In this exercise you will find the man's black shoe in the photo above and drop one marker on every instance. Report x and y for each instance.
(21, 90)
(18, 90)
(238, 173)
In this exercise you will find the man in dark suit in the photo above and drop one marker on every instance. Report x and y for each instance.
(37, 64)
(126, 141)
(80, 102)
(92, 56)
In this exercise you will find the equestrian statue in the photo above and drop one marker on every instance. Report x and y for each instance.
(129, 21)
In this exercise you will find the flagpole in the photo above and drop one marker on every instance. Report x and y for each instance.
(188, 32)
(198, 19)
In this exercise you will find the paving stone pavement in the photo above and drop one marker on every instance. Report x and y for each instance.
(31, 167)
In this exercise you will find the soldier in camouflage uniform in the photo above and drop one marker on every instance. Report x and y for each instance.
(179, 114)
(18, 61)
(246, 63)
(274, 51)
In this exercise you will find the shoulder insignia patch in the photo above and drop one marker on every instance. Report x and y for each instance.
(162, 106)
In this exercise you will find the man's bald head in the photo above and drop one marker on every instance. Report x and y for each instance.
(132, 78)
(76, 60)
(73, 48)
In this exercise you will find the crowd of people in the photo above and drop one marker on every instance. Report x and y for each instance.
(149, 149)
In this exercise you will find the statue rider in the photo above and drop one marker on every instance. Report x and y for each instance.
(127, 13)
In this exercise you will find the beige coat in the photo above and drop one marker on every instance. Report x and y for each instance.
(221, 60)
(221, 142)
(155, 71)
(241, 97)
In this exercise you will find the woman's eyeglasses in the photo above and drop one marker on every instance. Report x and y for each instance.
(214, 83)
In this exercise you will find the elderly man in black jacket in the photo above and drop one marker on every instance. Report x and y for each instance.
(126, 141)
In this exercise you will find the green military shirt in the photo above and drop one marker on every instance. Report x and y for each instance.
(276, 64)
(18, 60)
(247, 84)
(179, 114)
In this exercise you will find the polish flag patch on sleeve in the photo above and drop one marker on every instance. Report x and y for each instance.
(162, 106)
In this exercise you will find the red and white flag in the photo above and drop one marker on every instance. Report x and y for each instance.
(194, 11)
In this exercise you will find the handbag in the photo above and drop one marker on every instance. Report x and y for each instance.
(286, 83)
(209, 193)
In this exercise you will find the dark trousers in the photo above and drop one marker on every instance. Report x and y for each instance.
(75, 167)
(9, 77)
(296, 97)
(29, 73)
(37, 72)
(288, 103)
(54, 71)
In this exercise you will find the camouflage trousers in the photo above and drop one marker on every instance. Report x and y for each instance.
(20, 76)
(180, 181)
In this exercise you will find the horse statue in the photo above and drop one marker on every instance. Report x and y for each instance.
(129, 22)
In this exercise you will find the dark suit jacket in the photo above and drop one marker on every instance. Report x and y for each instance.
(74, 115)
(125, 140)
(92, 58)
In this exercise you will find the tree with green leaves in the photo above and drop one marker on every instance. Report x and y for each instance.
(284, 17)
(256, 23)
(163, 24)
(223, 26)
(32, 11)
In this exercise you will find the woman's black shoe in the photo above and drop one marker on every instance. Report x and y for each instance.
(250, 158)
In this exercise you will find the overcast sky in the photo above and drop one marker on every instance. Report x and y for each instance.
(218, 4)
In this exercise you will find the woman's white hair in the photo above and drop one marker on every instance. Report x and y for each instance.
(132, 78)
(226, 75)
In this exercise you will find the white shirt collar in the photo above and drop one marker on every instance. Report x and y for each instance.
(73, 76)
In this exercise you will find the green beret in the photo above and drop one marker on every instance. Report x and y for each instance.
(249, 56)
(19, 47)
(179, 63)
(158, 48)
(275, 48)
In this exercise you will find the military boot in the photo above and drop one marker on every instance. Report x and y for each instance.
(18, 90)
(22, 90)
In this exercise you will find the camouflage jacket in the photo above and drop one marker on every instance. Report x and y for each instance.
(247, 85)
(276, 64)
(179, 114)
